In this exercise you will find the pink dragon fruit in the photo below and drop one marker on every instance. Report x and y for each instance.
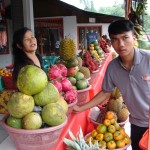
(70, 96)
(54, 72)
(58, 85)
(63, 70)
(66, 84)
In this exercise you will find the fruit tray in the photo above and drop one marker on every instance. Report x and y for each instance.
(123, 148)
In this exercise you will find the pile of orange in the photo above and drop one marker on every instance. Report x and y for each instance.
(109, 134)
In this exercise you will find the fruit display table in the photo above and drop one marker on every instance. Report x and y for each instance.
(75, 120)
(97, 78)
(81, 119)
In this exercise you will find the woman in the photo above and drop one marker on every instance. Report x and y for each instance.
(24, 50)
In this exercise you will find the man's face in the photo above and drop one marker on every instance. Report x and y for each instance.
(123, 43)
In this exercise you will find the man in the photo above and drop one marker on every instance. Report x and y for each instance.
(130, 72)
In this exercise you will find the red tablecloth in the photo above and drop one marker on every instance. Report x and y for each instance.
(97, 78)
(77, 120)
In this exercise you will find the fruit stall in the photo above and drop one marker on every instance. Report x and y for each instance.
(41, 117)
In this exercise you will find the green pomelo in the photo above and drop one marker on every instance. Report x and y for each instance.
(14, 122)
(20, 104)
(63, 103)
(50, 94)
(82, 84)
(32, 121)
(53, 114)
(31, 80)
(72, 80)
(79, 76)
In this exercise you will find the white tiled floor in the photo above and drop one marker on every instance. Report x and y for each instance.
(7, 144)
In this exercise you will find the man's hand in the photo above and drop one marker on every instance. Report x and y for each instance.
(77, 109)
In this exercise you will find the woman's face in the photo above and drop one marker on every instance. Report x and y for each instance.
(29, 42)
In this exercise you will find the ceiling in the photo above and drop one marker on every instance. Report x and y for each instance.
(53, 8)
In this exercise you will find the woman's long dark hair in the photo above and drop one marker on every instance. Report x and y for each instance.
(19, 56)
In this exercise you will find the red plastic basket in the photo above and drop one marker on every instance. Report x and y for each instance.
(83, 95)
(70, 108)
(9, 83)
(144, 141)
(41, 139)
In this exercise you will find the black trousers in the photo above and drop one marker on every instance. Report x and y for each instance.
(136, 134)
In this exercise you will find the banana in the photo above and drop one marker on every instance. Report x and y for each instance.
(4, 98)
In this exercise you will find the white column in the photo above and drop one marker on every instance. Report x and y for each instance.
(28, 14)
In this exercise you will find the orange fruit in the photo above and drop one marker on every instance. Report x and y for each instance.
(99, 137)
(108, 136)
(101, 128)
(117, 135)
(107, 122)
(122, 131)
(127, 139)
(94, 133)
(110, 115)
(111, 144)
(113, 121)
(117, 126)
(120, 143)
(111, 129)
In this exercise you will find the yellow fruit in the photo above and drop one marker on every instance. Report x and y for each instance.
(120, 143)
(107, 122)
(101, 128)
(99, 137)
(126, 139)
(94, 133)
(117, 135)
(108, 136)
(111, 129)
(111, 144)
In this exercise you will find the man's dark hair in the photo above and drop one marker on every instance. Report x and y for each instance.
(120, 26)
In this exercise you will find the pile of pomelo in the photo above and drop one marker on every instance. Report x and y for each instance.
(109, 134)
(37, 103)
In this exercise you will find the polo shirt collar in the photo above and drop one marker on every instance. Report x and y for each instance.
(137, 57)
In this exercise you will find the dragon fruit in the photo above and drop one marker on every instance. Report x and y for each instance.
(63, 70)
(66, 84)
(70, 96)
(58, 85)
(54, 72)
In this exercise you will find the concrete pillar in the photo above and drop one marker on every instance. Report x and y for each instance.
(28, 14)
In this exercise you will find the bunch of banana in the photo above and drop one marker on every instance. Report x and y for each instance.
(136, 17)
(138, 30)
(141, 8)
(95, 55)
(4, 98)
